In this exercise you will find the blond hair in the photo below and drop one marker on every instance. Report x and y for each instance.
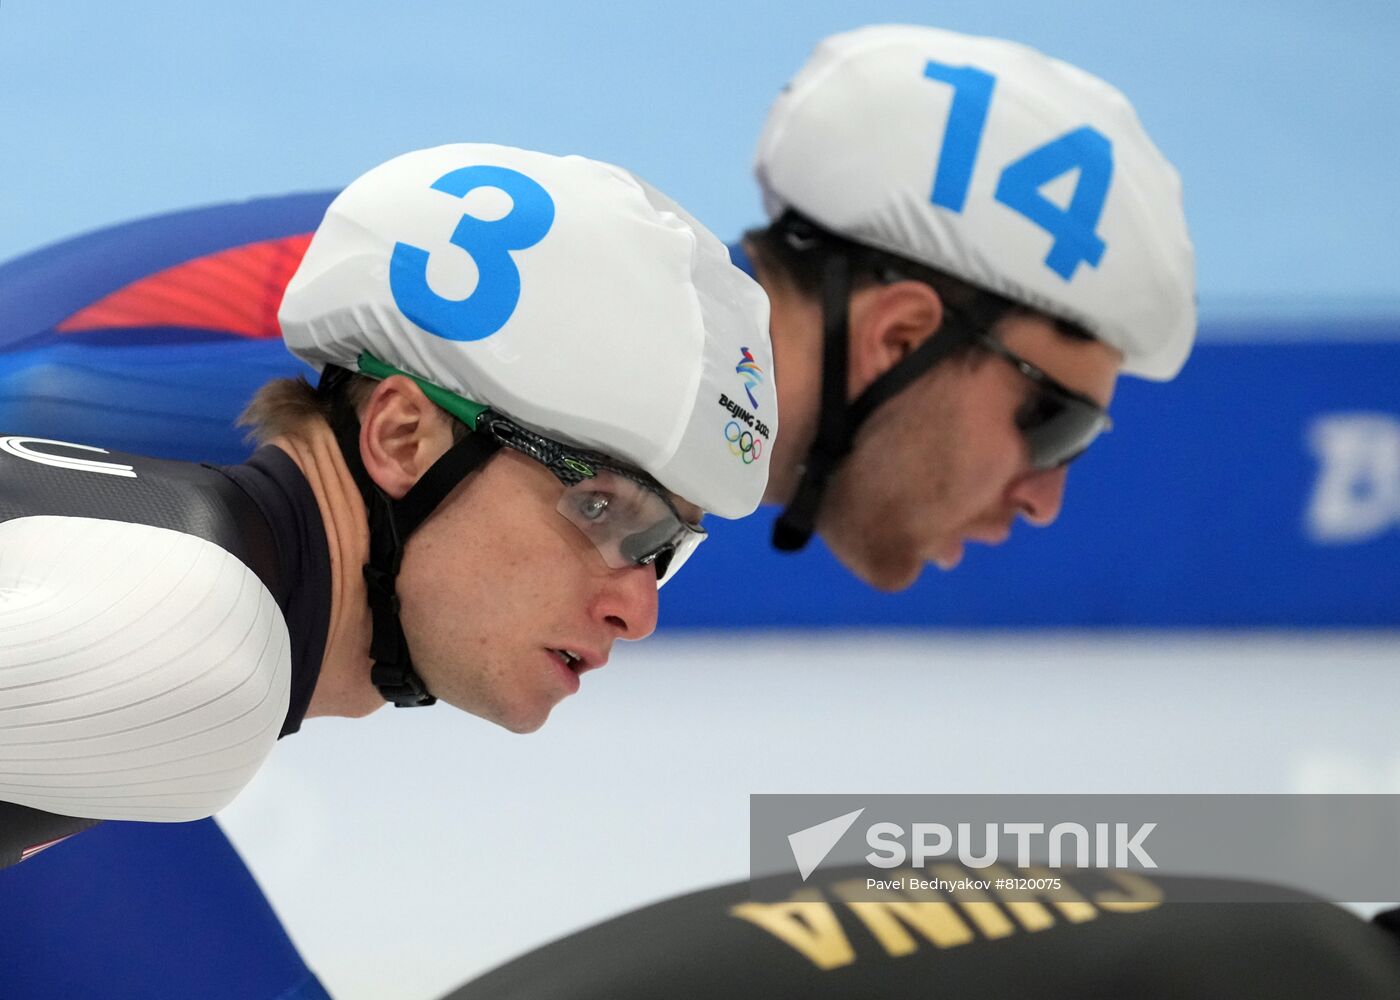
(286, 407)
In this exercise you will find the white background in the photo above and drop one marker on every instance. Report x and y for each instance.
(471, 845)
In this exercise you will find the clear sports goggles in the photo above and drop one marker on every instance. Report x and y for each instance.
(627, 515)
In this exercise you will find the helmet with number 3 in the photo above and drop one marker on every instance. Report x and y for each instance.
(987, 160)
(559, 291)
(557, 306)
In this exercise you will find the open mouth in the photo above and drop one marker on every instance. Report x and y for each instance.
(569, 658)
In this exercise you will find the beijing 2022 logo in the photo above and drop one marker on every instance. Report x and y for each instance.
(746, 433)
(752, 375)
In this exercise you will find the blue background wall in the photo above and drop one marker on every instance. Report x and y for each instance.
(1262, 488)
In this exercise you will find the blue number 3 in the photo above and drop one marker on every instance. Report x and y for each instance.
(1085, 149)
(497, 291)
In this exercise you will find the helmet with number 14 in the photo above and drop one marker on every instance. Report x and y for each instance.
(968, 241)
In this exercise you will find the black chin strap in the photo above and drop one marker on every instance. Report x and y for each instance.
(838, 421)
(391, 522)
(794, 527)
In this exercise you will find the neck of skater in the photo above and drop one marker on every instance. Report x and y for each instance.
(344, 686)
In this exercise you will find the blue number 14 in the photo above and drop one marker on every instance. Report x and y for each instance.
(1084, 149)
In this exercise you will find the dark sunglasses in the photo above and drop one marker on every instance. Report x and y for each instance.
(1057, 423)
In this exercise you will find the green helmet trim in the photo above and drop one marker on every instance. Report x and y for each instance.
(460, 407)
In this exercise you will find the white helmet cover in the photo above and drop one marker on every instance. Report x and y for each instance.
(1001, 166)
(562, 292)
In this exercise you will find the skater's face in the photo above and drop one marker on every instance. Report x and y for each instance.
(944, 462)
(505, 602)
(497, 586)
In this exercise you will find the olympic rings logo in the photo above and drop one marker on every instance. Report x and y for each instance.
(742, 442)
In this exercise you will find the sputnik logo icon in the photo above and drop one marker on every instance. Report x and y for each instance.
(811, 846)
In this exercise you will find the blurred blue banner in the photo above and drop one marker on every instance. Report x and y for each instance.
(1261, 488)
